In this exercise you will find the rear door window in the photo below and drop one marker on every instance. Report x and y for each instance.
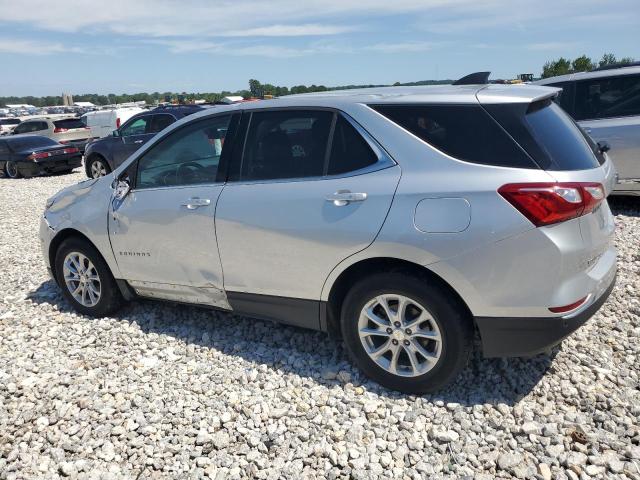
(465, 132)
(160, 121)
(607, 97)
(285, 144)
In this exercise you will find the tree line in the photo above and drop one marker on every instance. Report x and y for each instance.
(257, 89)
(563, 66)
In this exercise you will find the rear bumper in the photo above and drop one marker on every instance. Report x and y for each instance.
(49, 166)
(515, 337)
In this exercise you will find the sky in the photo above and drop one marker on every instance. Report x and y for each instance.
(128, 46)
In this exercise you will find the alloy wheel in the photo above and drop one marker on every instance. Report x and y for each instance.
(98, 169)
(82, 279)
(400, 335)
(12, 169)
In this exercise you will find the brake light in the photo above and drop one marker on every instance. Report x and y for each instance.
(118, 122)
(549, 203)
(60, 130)
(38, 155)
(71, 150)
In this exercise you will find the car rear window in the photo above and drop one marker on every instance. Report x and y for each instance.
(547, 134)
(19, 144)
(465, 132)
(69, 123)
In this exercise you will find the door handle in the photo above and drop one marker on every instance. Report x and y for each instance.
(196, 202)
(588, 130)
(345, 197)
(138, 141)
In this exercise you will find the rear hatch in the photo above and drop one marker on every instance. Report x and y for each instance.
(560, 147)
(71, 130)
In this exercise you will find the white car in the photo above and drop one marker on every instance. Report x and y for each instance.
(7, 125)
(103, 122)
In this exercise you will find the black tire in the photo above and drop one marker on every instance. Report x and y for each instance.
(98, 160)
(453, 321)
(11, 170)
(110, 297)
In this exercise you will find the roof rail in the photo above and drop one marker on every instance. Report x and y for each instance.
(476, 78)
(617, 65)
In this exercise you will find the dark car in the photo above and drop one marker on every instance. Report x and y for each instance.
(29, 155)
(105, 154)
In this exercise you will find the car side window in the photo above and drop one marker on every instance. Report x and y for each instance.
(188, 156)
(284, 144)
(349, 151)
(159, 122)
(137, 126)
(607, 97)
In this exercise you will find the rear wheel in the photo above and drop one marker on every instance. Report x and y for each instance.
(11, 170)
(405, 333)
(85, 279)
(98, 167)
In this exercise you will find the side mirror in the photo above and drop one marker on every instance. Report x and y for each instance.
(122, 187)
(604, 147)
(115, 133)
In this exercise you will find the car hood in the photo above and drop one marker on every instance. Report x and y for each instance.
(70, 194)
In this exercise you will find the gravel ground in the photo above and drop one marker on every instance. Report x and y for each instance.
(175, 392)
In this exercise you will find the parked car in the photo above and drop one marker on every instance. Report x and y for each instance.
(606, 104)
(398, 218)
(29, 155)
(107, 153)
(7, 125)
(103, 122)
(68, 131)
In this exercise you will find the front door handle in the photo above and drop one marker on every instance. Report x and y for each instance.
(588, 130)
(138, 141)
(196, 202)
(345, 197)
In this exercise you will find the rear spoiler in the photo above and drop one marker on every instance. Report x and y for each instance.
(491, 94)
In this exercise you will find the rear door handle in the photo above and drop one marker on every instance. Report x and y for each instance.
(588, 130)
(196, 202)
(345, 197)
(138, 141)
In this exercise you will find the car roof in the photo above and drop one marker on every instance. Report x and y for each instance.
(610, 72)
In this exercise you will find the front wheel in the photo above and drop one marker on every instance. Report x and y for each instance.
(11, 170)
(97, 167)
(85, 279)
(406, 333)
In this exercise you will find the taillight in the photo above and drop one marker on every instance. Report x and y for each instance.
(549, 203)
(38, 155)
(118, 122)
(71, 150)
(59, 130)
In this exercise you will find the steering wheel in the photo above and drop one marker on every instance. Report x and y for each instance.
(189, 170)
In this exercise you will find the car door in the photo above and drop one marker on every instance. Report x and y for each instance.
(608, 109)
(132, 135)
(309, 189)
(163, 231)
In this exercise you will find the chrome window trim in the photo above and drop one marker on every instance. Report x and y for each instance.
(384, 159)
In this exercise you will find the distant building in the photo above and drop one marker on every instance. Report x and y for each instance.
(83, 104)
(67, 99)
(19, 106)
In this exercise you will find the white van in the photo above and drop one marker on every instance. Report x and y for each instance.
(103, 122)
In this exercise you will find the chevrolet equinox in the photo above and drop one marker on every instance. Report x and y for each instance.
(400, 219)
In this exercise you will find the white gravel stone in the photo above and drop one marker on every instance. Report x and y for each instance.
(165, 391)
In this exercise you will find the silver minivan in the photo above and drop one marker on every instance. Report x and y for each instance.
(399, 219)
(606, 103)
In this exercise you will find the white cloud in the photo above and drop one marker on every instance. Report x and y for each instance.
(550, 46)
(309, 29)
(30, 47)
(407, 47)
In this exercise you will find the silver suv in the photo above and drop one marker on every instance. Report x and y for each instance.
(606, 103)
(68, 131)
(400, 219)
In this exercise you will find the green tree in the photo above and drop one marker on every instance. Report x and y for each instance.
(582, 64)
(607, 59)
(554, 68)
(255, 87)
